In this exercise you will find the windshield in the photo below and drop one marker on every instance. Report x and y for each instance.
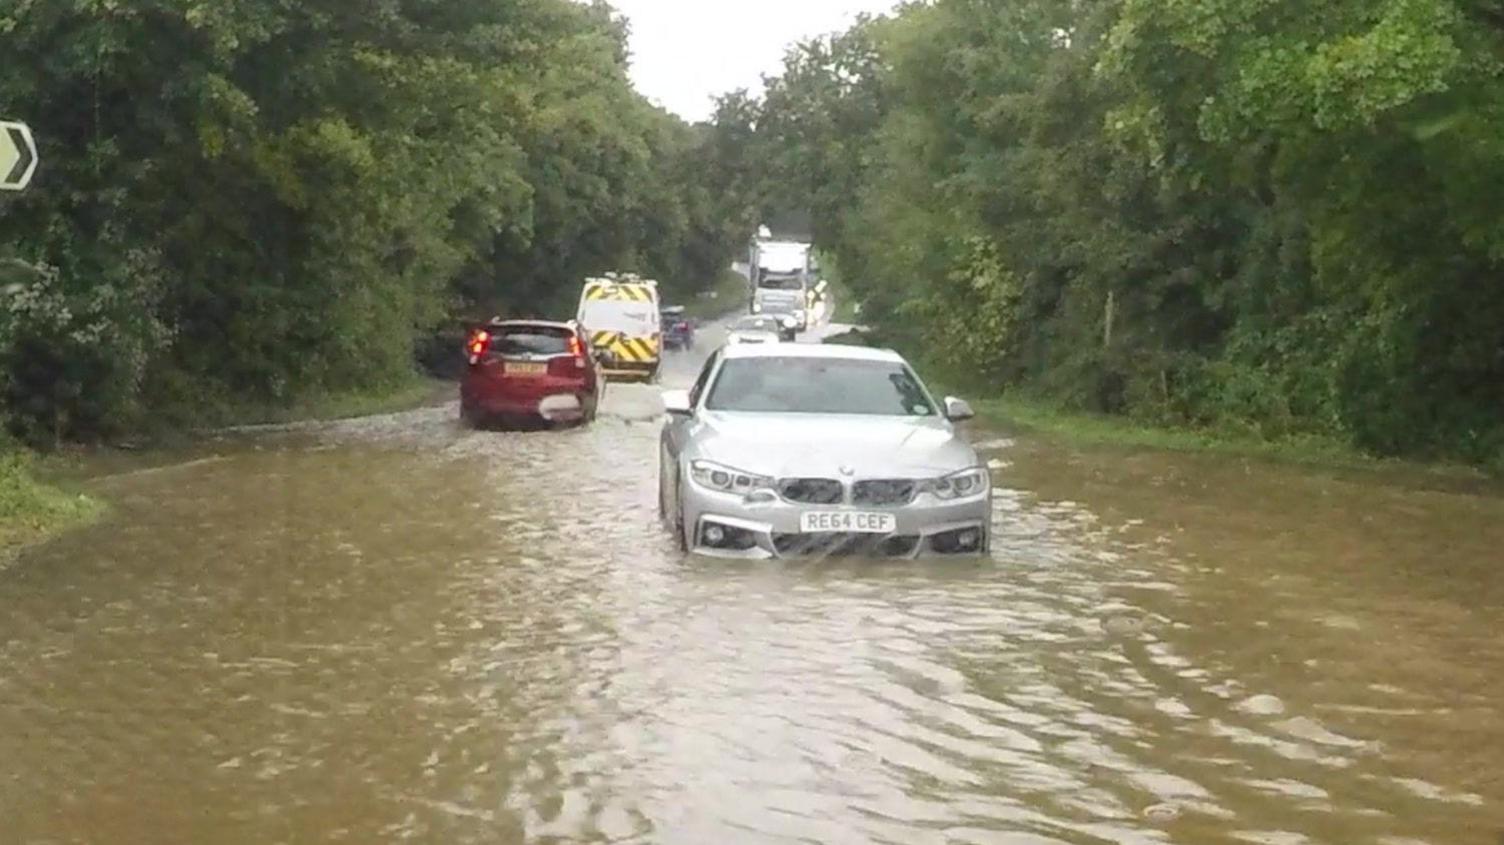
(781, 283)
(611, 315)
(819, 386)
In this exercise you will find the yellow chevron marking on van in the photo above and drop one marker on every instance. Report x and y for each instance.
(626, 350)
(619, 293)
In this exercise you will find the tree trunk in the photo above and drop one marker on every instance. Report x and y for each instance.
(1110, 312)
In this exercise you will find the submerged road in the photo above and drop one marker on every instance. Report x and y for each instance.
(396, 629)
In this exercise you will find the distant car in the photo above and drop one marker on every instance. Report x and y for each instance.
(794, 449)
(529, 371)
(678, 329)
(760, 328)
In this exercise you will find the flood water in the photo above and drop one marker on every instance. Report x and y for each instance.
(396, 629)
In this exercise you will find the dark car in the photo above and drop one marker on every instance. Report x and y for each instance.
(529, 371)
(678, 329)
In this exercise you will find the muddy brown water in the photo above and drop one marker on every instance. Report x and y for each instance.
(395, 629)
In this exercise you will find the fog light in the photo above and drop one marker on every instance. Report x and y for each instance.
(959, 541)
(727, 537)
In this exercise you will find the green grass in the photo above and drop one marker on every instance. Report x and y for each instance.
(730, 295)
(845, 303)
(405, 395)
(1080, 427)
(1051, 422)
(31, 511)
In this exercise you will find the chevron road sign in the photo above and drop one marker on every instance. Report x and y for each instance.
(18, 156)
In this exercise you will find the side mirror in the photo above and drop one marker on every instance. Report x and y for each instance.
(957, 410)
(677, 403)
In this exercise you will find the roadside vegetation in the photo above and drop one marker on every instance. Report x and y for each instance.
(263, 205)
(1269, 221)
(31, 511)
(727, 296)
(414, 391)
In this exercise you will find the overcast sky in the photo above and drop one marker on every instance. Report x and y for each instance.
(685, 52)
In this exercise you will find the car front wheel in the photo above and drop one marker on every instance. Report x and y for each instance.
(681, 534)
(673, 517)
(662, 493)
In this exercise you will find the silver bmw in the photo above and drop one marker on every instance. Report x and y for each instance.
(801, 449)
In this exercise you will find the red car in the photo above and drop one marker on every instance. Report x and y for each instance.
(529, 371)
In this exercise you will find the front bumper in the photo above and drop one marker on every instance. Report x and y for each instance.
(769, 529)
(801, 317)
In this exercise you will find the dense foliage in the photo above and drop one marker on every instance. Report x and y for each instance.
(251, 201)
(1280, 217)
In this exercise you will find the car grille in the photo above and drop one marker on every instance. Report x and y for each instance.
(845, 545)
(885, 492)
(812, 491)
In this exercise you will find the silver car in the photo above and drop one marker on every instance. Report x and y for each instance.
(802, 449)
(760, 328)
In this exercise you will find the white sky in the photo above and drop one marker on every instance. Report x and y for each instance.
(687, 52)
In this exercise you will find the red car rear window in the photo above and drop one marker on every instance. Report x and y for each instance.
(508, 341)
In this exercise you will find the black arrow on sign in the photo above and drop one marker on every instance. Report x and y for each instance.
(23, 155)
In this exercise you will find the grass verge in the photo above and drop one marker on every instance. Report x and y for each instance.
(728, 295)
(1052, 422)
(1100, 429)
(404, 395)
(31, 511)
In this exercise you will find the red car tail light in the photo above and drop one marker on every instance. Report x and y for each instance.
(478, 344)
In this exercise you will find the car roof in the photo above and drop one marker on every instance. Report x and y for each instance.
(534, 324)
(814, 350)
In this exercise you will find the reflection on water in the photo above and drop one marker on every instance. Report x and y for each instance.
(394, 629)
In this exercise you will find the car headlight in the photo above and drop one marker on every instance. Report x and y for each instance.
(727, 479)
(757, 308)
(960, 485)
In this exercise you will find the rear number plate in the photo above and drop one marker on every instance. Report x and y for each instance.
(819, 522)
(513, 368)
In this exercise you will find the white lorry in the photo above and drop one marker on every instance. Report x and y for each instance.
(781, 275)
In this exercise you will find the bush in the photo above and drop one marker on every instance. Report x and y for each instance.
(72, 364)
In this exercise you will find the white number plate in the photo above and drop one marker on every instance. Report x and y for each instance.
(856, 522)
